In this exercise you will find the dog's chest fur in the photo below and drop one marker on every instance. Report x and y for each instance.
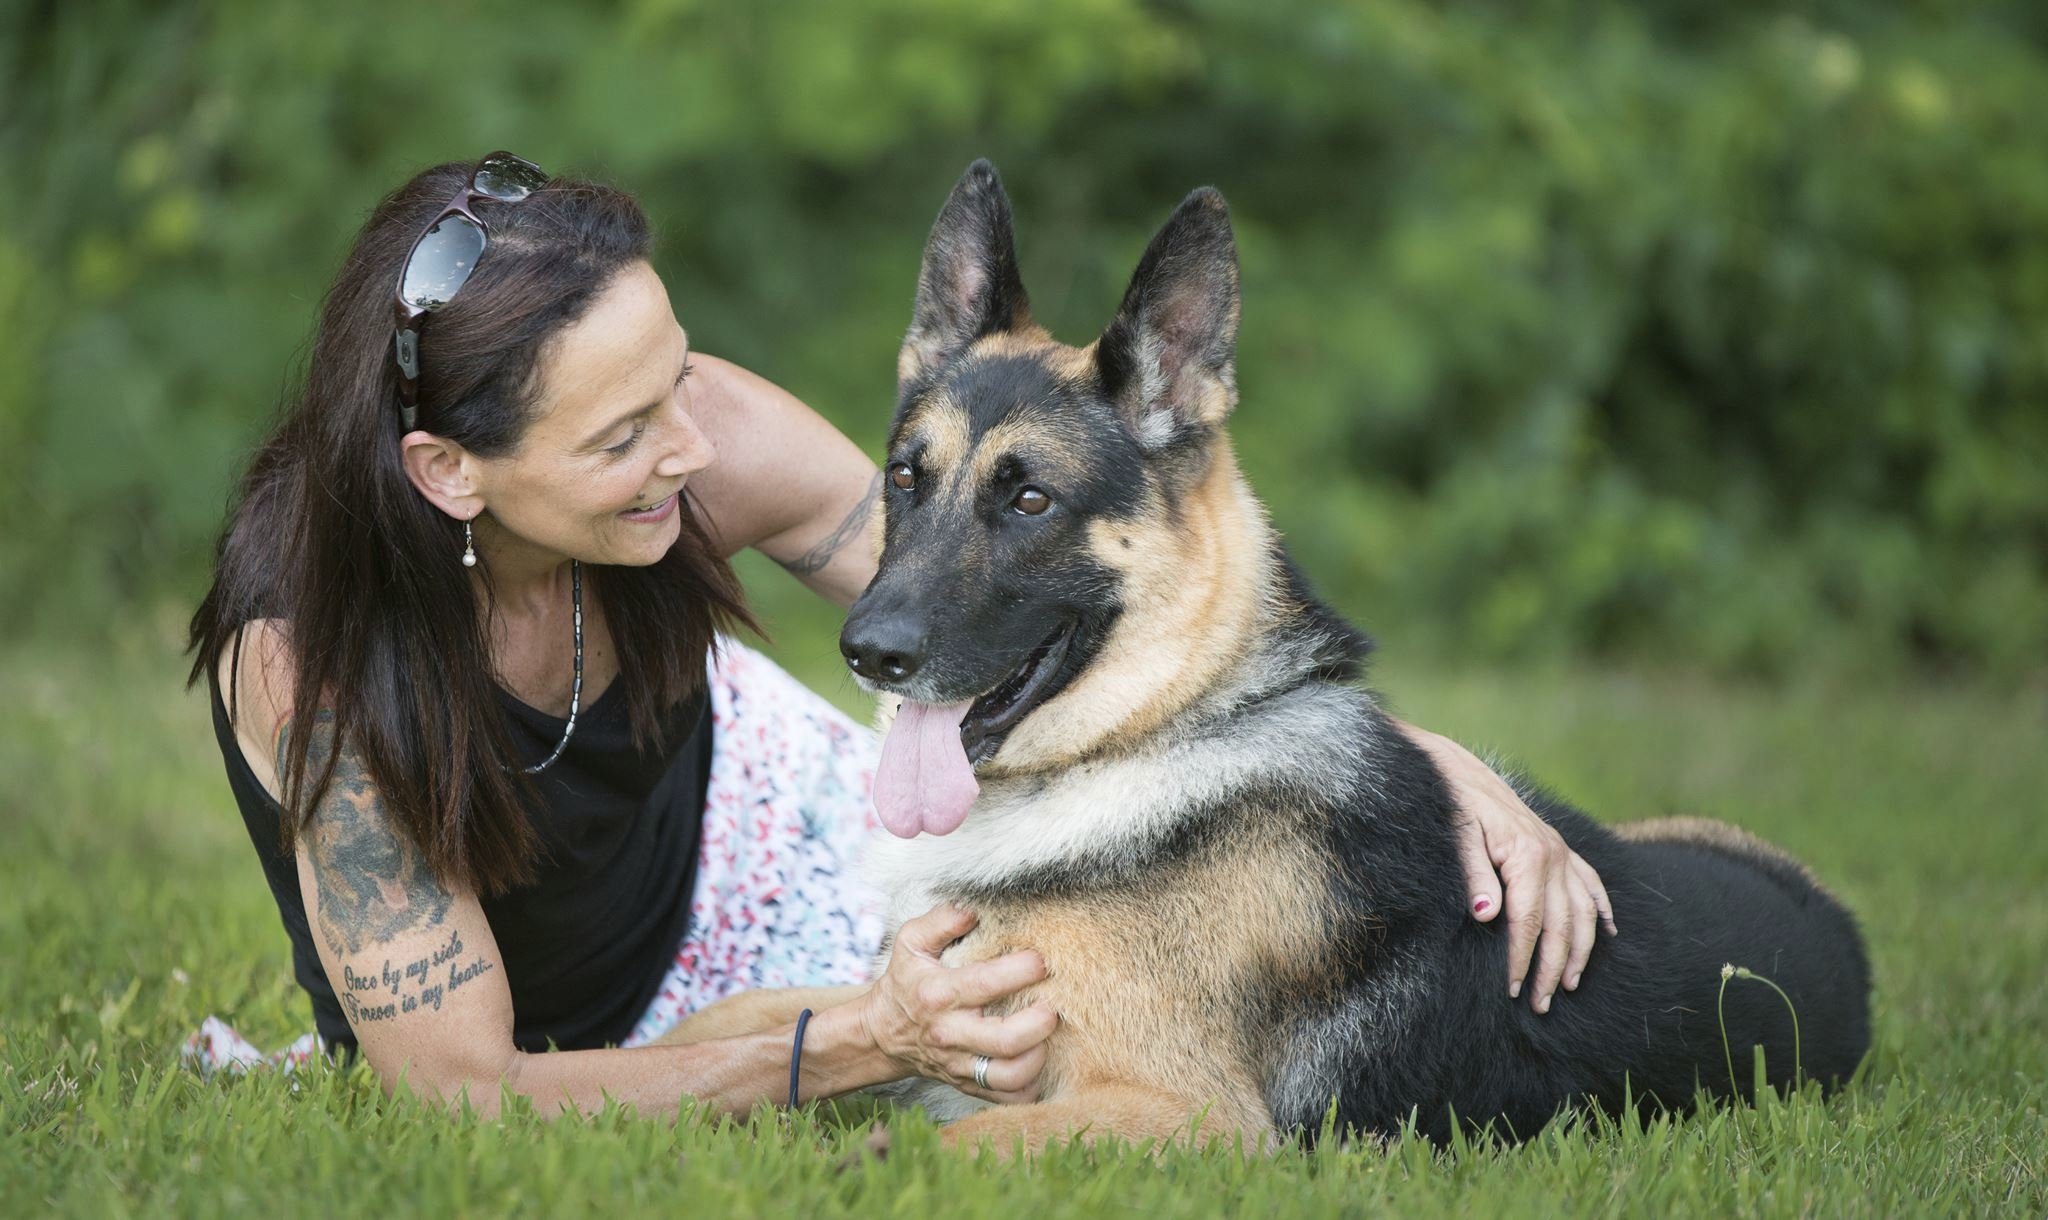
(1099, 823)
(1177, 895)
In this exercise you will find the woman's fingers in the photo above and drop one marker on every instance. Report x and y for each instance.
(930, 933)
(997, 1037)
(989, 981)
(1554, 948)
(927, 1016)
(1556, 906)
(1482, 884)
(1598, 890)
(1585, 924)
(1010, 1080)
(1524, 873)
(1584, 928)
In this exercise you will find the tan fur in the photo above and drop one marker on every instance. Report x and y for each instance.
(1708, 833)
(1204, 400)
(1072, 363)
(1025, 337)
(1193, 590)
(1037, 441)
(878, 519)
(941, 425)
(1146, 1026)
(1030, 339)
(1125, 1112)
(909, 363)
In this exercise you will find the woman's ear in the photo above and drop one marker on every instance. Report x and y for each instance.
(443, 472)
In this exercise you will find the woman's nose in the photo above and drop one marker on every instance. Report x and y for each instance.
(689, 448)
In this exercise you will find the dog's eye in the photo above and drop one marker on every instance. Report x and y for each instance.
(902, 475)
(1031, 502)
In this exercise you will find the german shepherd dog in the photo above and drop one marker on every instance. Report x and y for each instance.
(1128, 736)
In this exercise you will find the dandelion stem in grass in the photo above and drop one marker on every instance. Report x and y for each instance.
(1720, 1012)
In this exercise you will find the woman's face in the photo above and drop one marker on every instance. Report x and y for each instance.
(600, 472)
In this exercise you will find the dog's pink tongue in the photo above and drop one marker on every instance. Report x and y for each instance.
(924, 782)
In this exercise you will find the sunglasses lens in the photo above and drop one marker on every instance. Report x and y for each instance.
(441, 263)
(504, 176)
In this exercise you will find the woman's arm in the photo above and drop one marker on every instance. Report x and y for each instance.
(422, 983)
(785, 481)
(423, 987)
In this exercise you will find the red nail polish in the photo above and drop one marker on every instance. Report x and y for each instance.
(1482, 906)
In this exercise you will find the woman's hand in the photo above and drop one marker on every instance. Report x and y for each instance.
(927, 1018)
(1553, 897)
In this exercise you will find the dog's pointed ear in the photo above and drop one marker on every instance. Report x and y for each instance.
(1169, 358)
(969, 286)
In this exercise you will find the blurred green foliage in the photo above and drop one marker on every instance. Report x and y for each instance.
(1719, 329)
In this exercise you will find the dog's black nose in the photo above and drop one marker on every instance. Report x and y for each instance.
(883, 649)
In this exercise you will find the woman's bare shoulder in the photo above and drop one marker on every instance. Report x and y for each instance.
(255, 676)
(782, 469)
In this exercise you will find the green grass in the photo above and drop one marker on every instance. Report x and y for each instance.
(131, 907)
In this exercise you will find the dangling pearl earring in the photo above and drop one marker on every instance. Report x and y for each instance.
(468, 547)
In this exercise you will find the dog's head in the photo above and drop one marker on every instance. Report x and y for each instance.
(1069, 554)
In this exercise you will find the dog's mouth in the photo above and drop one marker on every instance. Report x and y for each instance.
(1043, 674)
(924, 779)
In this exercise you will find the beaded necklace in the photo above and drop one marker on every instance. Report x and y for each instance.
(576, 690)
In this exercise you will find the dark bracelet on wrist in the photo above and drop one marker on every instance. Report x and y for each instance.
(796, 1054)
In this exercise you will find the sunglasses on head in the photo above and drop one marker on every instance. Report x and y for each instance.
(441, 261)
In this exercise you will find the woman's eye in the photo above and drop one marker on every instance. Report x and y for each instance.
(1031, 502)
(633, 437)
(902, 475)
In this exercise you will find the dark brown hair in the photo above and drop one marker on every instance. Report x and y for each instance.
(329, 536)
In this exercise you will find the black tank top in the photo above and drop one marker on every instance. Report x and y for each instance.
(586, 945)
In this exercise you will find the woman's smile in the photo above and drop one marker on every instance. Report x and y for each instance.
(654, 513)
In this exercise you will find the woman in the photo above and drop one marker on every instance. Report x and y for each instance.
(458, 640)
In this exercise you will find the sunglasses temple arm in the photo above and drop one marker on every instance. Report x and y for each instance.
(407, 343)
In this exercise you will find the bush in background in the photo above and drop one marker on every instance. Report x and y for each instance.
(1699, 329)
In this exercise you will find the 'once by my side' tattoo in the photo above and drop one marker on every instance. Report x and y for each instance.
(814, 560)
(374, 883)
(394, 989)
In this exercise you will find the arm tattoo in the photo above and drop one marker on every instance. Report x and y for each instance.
(813, 561)
(374, 883)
